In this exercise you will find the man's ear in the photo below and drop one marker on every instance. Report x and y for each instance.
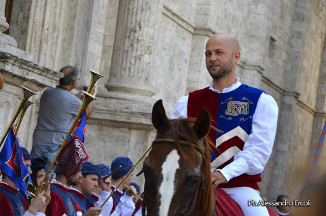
(236, 56)
(81, 179)
(74, 83)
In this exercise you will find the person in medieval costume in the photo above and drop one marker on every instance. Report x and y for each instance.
(246, 118)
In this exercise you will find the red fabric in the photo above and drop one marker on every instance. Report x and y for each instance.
(271, 211)
(198, 100)
(5, 206)
(56, 205)
(114, 202)
(225, 205)
(138, 205)
(71, 157)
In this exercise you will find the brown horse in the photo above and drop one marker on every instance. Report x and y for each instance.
(177, 169)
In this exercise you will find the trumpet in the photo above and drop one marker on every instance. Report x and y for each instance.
(94, 77)
(26, 95)
(21, 115)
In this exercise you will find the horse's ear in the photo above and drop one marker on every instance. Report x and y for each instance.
(159, 119)
(202, 124)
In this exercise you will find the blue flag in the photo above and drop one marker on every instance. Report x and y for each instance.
(79, 130)
(12, 162)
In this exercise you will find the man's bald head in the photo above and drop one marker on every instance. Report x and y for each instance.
(222, 54)
(231, 42)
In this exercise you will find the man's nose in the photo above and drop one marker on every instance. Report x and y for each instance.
(213, 58)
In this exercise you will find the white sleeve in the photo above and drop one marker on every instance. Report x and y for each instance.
(180, 110)
(27, 213)
(258, 147)
(125, 207)
(107, 206)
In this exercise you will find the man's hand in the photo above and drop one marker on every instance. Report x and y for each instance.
(131, 191)
(80, 95)
(217, 178)
(93, 211)
(47, 199)
(106, 184)
(37, 203)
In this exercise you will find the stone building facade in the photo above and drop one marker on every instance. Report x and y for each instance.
(154, 49)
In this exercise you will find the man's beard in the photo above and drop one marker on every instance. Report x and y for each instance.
(72, 181)
(223, 71)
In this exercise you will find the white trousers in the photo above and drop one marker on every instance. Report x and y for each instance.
(242, 195)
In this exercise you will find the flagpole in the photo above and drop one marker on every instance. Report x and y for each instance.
(124, 178)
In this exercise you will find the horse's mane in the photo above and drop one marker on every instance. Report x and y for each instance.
(183, 131)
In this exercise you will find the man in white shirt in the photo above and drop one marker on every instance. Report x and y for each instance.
(247, 118)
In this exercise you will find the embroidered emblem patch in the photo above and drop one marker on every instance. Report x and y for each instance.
(235, 108)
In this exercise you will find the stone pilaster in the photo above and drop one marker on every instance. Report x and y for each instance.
(132, 62)
(124, 111)
(282, 174)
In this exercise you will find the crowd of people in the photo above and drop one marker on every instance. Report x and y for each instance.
(82, 194)
(86, 192)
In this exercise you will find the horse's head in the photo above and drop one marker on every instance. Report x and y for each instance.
(177, 169)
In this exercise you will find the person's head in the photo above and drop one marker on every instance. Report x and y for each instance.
(89, 182)
(119, 168)
(70, 76)
(72, 181)
(27, 158)
(222, 54)
(38, 171)
(283, 208)
(105, 173)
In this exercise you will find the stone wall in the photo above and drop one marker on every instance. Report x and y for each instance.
(149, 50)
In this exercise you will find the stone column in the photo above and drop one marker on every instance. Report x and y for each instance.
(121, 117)
(5, 39)
(282, 177)
(133, 53)
(319, 119)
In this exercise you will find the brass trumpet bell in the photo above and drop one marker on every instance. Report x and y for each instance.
(94, 77)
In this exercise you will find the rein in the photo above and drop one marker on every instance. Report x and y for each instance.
(201, 182)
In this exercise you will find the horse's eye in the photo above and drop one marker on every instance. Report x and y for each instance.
(192, 180)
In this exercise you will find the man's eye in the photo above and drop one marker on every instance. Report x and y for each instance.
(208, 54)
